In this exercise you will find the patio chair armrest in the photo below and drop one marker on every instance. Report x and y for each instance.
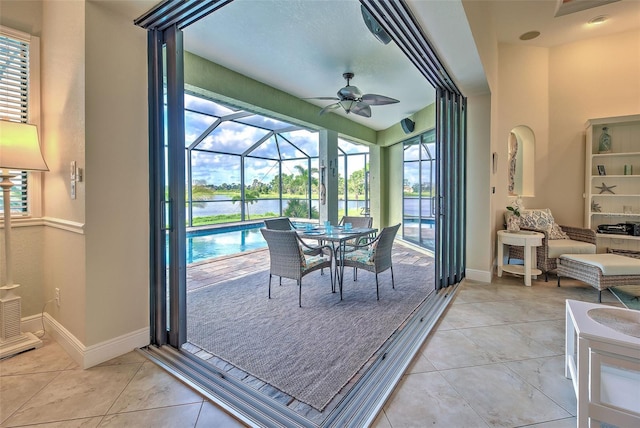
(368, 241)
(312, 250)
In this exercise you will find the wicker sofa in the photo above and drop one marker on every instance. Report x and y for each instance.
(580, 241)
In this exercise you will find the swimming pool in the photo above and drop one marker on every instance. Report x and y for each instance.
(223, 241)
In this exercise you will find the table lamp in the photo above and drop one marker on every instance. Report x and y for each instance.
(19, 151)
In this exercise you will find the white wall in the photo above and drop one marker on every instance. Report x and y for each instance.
(523, 100)
(590, 79)
(117, 169)
(94, 111)
(479, 189)
(554, 92)
(63, 133)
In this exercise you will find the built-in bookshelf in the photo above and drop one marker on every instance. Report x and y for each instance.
(612, 179)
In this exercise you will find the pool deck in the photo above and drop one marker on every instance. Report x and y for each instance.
(226, 268)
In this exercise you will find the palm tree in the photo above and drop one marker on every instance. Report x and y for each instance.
(250, 197)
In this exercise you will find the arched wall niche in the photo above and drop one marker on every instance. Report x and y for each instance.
(521, 155)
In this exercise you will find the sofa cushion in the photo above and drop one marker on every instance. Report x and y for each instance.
(559, 247)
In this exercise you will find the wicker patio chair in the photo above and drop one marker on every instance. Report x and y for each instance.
(358, 222)
(287, 259)
(279, 223)
(374, 256)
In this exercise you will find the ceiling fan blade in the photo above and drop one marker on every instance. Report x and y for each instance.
(378, 100)
(329, 107)
(323, 98)
(361, 109)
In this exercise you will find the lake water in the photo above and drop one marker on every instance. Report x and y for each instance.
(202, 209)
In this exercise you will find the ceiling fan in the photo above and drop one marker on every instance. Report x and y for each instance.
(351, 99)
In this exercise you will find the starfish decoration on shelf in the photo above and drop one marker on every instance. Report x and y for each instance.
(595, 207)
(606, 189)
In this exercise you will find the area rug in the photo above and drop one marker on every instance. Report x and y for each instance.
(629, 295)
(311, 352)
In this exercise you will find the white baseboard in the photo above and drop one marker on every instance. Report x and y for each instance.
(87, 356)
(478, 275)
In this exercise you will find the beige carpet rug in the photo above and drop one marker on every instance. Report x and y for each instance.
(311, 352)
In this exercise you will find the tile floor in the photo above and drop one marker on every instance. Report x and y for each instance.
(495, 359)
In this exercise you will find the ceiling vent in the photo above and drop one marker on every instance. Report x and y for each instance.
(566, 7)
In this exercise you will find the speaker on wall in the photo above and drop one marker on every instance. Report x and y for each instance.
(408, 125)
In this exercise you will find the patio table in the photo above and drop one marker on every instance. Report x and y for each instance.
(338, 239)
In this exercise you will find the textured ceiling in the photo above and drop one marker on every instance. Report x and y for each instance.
(303, 46)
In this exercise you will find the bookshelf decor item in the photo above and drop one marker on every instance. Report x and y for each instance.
(606, 189)
(605, 141)
(601, 170)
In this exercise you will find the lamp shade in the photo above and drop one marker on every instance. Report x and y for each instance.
(19, 147)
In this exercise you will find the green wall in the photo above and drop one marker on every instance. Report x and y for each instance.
(206, 78)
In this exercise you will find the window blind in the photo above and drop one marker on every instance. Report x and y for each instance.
(14, 96)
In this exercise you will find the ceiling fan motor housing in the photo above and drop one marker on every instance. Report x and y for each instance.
(350, 93)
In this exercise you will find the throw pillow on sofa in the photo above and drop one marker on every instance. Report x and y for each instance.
(538, 219)
(557, 233)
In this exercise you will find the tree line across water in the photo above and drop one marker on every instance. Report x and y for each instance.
(295, 188)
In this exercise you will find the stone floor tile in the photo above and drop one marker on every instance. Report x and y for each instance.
(17, 390)
(547, 375)
(213, 416)
(548, 333)
(560, 423)
(470, 315)
(76, 394)
(452, 349)
(153, 387)
(504, 343)
(73, 423)
(50, 357)
(501, 397)
(184, 416)
(428, 400)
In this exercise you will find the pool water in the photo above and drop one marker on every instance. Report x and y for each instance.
(206, 244)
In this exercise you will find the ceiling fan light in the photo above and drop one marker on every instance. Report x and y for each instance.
(347, 105)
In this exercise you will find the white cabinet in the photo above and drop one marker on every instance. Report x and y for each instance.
(617, 170)
(602, 358)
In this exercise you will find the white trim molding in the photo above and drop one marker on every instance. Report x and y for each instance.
(58, 223)
(87, 356)
(478, 275)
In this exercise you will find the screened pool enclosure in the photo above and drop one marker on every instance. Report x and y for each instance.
(244, 166)
(419, 190)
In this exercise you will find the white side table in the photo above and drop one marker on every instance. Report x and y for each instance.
(523, 238)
